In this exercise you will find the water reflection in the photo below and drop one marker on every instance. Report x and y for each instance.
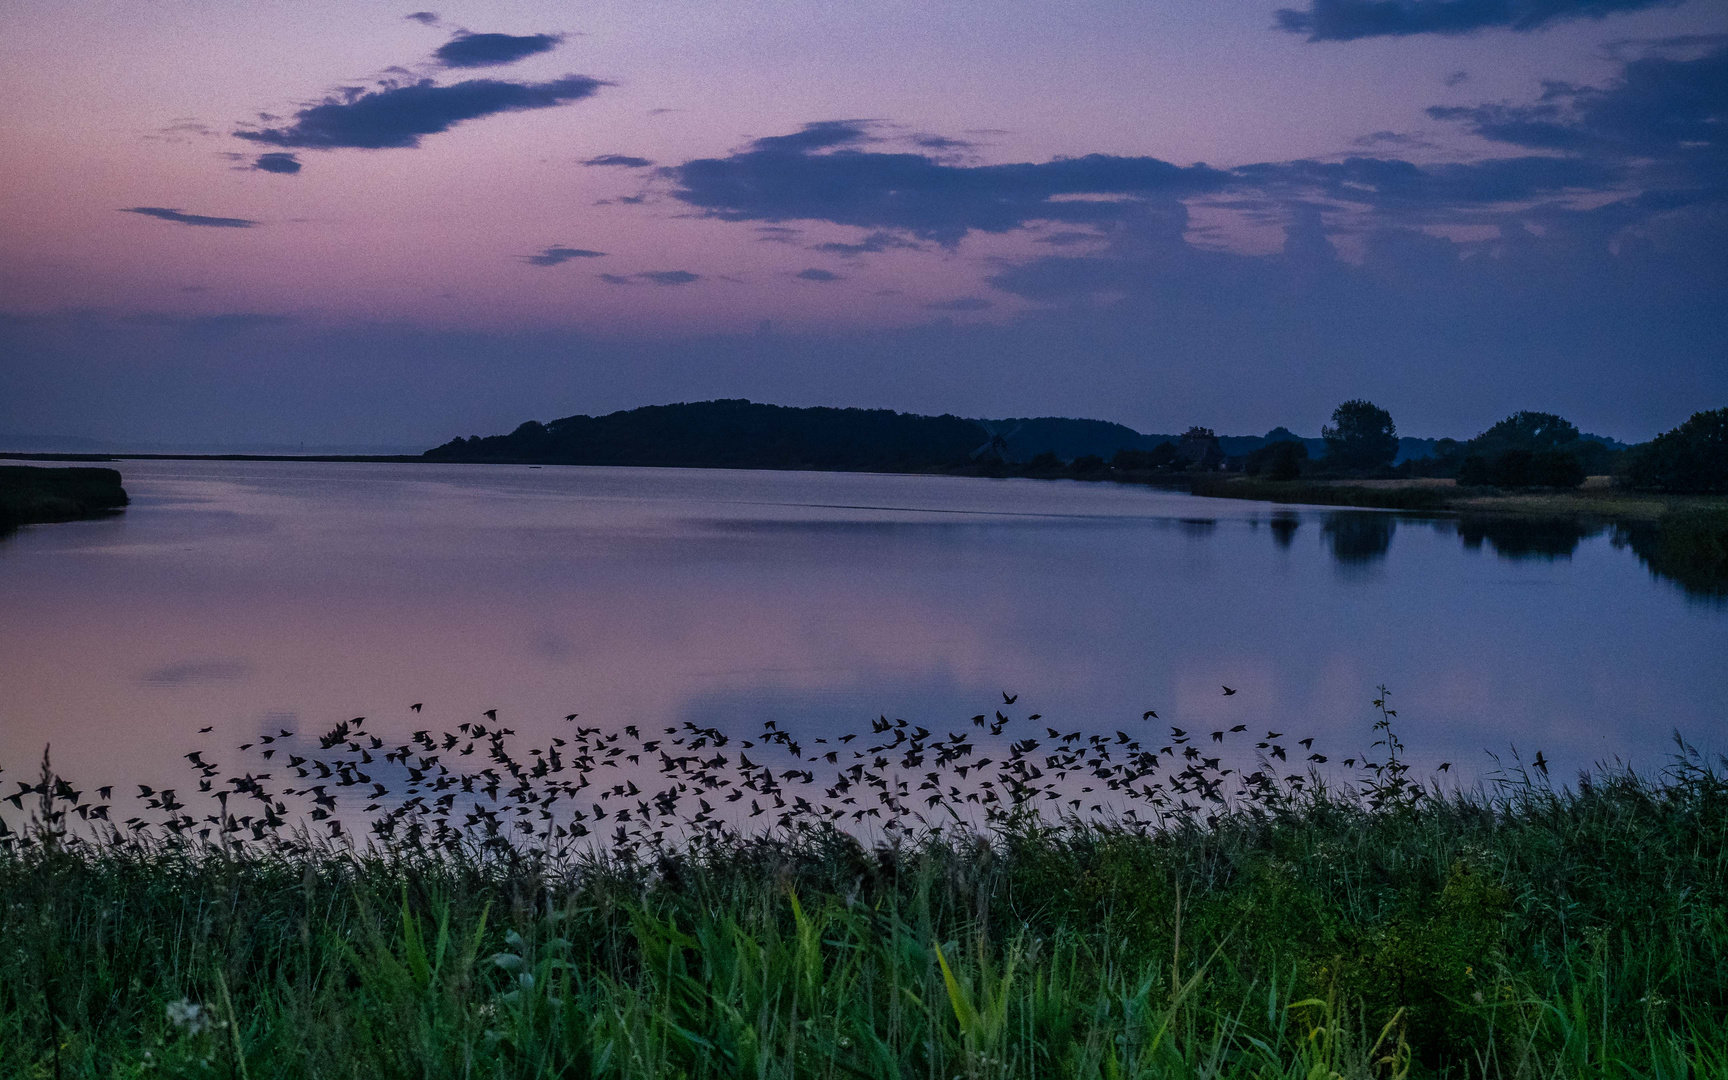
(1690, 550)
(1359, 538)
(1527, 538)
(241, 594)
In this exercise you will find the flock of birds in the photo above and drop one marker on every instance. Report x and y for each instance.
(639, 791)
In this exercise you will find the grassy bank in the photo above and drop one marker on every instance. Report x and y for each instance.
(1603, 502)
(30, 495)
(1375, 929)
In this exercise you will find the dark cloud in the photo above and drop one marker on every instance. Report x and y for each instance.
(425, 18)
(614, 279)
(467, 50)
(963, 303)
(1457, 78)
(876, 242)
(556, 254)
(167, 214)
(1348, 20)
(621, 161)
(399, 116)
(1395, 186)
(179, 131)
(669, 277)
(941, 142)
(1664, 114)
(817, 173)
(191, 672)
(817, 274)
(821, 173)
(1392, 138)
(277, 162)
(1068, 239)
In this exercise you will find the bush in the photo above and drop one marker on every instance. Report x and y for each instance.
(1520, 468)
(1161, 456)
(1277, 461)
(1691, 459)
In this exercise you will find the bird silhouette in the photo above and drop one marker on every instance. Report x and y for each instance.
(204, 731)
(1148, 715)
(490, 714)
(416, 706)
(1228, 691)
(1009, 699)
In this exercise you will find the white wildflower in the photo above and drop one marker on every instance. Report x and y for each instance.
(190, 1018)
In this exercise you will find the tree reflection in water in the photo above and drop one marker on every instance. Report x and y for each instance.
(1359, 538)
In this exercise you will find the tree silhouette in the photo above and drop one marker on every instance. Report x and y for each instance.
(1361, 436)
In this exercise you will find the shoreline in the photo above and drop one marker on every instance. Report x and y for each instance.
(35, 496)
(1596, 498)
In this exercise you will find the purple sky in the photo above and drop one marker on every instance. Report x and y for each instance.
(337, 223)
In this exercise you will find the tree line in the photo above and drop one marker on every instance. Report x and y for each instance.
(1528, 449)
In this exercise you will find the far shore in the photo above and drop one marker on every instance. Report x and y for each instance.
(1597, 497)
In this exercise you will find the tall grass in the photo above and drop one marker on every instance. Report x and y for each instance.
(1520, 929)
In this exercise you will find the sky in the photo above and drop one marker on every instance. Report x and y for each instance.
(328, 223)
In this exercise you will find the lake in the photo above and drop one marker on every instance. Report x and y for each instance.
(254, 596)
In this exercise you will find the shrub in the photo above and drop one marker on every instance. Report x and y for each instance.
(1691, 459)
(1277, 461)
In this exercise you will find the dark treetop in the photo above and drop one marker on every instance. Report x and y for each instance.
(733, 433)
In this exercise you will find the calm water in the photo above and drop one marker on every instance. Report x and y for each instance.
(249, 596)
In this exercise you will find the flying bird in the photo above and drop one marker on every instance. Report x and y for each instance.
(490, 714)
(1228, 691)
(1148, 715)
(1008, 699)
(416, 706)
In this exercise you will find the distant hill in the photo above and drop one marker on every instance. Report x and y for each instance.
(737, 434)
(733, 434)
(1026, 437)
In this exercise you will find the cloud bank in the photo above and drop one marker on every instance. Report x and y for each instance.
(557, 254)
(277, 162)
(1348, 20)
(398, 117)
(818, 173)
(467, 50)
(168, 214)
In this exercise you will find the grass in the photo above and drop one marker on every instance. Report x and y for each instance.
(30, 495)
(1605, 502)
(1366, 927)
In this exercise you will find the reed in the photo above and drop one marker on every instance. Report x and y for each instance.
(1363, 926)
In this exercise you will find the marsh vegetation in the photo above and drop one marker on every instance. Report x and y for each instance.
(1270, 920)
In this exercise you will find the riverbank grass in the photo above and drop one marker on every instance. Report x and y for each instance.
(1523, 929)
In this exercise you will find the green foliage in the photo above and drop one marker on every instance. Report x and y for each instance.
(1280, 461)
(1688, 546)
(1527, 430)
(1691, 459)
(1361, 436)
(1521, 468)
(1520, 930)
